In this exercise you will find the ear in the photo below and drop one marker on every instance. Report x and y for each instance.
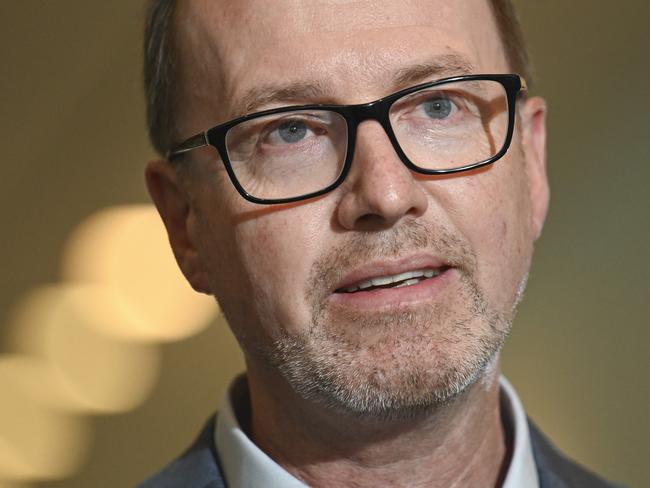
(171, 198)
(534, 147)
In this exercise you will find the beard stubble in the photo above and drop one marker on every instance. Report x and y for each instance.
(392, 364)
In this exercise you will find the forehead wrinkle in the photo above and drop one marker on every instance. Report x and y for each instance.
(316, 91)
(352, 15)
(359, 70)
(298, 91)
(452, 64)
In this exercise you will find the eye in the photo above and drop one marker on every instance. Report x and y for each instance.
(438, 107)
(291, 131)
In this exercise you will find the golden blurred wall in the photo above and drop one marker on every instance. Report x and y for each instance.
(73, 144)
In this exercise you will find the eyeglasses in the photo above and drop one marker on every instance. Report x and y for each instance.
(294, 153)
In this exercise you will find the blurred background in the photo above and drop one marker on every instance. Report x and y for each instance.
(109, 364)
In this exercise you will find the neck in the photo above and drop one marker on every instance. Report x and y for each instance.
(458, 444)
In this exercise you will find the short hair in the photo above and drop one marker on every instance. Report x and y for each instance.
(161, 76)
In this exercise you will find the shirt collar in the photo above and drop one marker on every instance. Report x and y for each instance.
(522, 470)
(246, 466)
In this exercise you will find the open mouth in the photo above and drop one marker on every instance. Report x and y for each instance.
(408, 278)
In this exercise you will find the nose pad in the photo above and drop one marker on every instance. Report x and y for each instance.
(382, 190)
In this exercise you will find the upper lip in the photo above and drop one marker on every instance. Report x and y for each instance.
(378, 269)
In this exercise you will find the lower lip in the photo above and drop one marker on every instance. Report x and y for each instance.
(392, 298)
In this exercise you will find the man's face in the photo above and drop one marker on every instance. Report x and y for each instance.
(279, 272)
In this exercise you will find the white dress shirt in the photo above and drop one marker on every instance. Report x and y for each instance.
(246, 466)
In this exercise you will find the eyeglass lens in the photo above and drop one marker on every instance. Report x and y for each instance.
(443, 127)
(288, 154)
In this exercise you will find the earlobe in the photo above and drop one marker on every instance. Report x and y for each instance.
(534, 147)
(174, 206)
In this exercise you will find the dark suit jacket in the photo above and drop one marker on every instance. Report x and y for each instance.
(199, 467)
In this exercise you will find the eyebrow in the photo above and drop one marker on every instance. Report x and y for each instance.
(439, 67)
(297, 92)
(292, 92)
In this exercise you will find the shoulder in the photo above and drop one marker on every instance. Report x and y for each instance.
(556, 470)
(198, 467)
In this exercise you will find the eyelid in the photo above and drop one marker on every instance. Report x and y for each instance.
(276, 123)
(416, 99)
(271, 130)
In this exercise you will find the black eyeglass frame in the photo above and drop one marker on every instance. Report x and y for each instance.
(378, 110)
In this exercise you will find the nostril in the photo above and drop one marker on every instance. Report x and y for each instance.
(372, 221)
(380, 201)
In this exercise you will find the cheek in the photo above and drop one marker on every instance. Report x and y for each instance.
(498, 230)
(276, 252)
(257, 259)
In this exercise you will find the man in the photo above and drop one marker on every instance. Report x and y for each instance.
(359, 184)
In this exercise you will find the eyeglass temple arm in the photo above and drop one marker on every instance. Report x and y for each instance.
(524, 85)
(194, 142)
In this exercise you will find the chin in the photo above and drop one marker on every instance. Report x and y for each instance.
(398, 366)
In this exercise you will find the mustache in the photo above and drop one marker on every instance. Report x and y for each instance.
(408, 238)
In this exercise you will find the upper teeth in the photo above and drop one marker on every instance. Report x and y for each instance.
(408, 276)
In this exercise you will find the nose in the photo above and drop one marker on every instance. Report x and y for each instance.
(381, 190)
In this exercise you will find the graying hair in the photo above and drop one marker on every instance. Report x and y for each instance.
(160, 77)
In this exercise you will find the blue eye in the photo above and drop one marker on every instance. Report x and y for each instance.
(438, 108)
(292, 131)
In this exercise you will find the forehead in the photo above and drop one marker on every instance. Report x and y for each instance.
(351, 49)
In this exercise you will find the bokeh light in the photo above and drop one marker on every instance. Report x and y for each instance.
(97, 371)
(36, 441)
(125, 250)
(90, 344)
